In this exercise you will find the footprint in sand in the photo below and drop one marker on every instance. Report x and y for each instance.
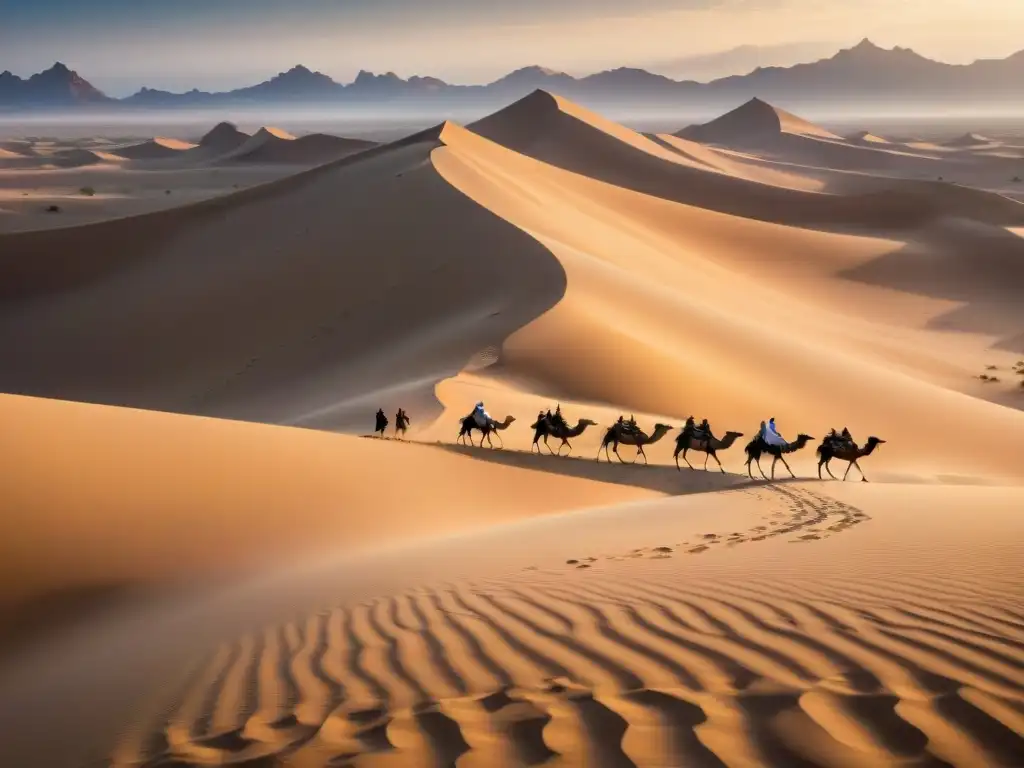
(571, 562)
(663, 549)
(582, 565)
(699, 549)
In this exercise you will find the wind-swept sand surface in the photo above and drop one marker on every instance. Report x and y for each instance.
(425, 603)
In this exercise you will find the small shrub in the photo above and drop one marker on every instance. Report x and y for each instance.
(991, 368)
(87, 191)
(53, 209)
(983, 377)
(993, 379)
(167, 191)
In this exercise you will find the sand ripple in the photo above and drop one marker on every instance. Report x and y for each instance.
(627, 665)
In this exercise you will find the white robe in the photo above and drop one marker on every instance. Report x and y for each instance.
(771, 437)
(481, 417)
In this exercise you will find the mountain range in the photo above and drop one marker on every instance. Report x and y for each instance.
(863, 73)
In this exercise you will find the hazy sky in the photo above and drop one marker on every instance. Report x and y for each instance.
(214, 44)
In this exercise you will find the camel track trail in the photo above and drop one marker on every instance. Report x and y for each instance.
(604, 662)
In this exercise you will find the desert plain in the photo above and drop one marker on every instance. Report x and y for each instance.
(206, 562)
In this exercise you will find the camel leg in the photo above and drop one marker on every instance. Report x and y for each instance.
(715, 457)
(615, 450)
(828, 469)
(706, 457)
(820, 462)
(783, 460)
(855, 464)
(546, 445)
(760, 468)
(567, 444)
(640, 452)
(750, 473)
(501, 440)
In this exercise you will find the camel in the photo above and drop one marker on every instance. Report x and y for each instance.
(382, 423)
(469, 424)
(757, 446)
(616, 435)
(849, 452)
(686, 441)
(543, 428)
(401, 422)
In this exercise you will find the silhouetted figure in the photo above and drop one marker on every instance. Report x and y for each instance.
(382, 422)
(401, 422)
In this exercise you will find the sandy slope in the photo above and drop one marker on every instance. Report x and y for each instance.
(542, 253)
(355, 281)
(133, 481)
(776, 626)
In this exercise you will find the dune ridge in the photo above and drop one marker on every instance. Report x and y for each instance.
(158, 148)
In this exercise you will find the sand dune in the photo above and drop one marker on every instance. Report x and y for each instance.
(76, 158)
(323, 250)
(969, 140)
(120, 466)
(429, 604)
(269, 145)
(159, 148)
(755, 118)
(866, 137)
(776, 626)
(223, 137)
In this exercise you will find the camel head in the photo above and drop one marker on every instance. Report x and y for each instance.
(506, 423)
(587, 423)
(870, 445)
(660, 430)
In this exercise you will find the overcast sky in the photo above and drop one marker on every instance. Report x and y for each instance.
(215, 44)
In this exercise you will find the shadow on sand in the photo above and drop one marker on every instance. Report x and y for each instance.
(663, 478)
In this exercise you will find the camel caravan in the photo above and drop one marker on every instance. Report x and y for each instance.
(692, 437)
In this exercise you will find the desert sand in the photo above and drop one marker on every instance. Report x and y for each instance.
(197, 528)
(97, 179)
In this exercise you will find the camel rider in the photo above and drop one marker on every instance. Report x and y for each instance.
(558, 420)
(770, 435)
(840, 439)
(627, 427)
(705, 428)
(482, 417)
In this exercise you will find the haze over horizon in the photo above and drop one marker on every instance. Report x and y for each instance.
(121, 45)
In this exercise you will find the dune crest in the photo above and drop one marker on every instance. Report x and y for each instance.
(223, 137)
(754, 119)
(158, 148)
